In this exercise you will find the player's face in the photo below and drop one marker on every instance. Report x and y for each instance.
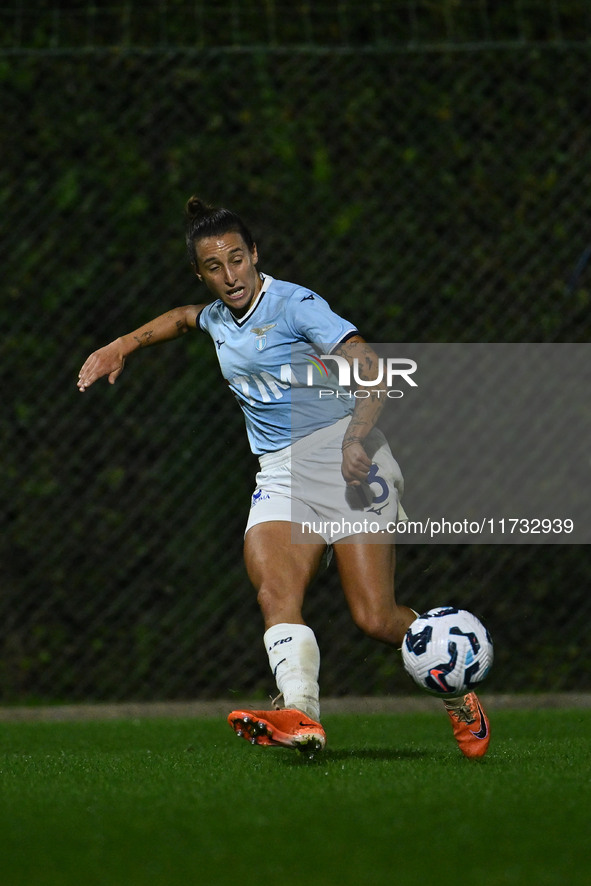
(228, 268)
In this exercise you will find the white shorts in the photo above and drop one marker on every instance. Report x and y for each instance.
(303, 484)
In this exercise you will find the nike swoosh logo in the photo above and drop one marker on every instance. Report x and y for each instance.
(436, 673)
(307, 724)
(483, 731)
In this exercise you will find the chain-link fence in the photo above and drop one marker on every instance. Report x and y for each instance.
(430, 193)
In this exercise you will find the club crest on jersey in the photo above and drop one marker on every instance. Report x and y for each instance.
(261, 335)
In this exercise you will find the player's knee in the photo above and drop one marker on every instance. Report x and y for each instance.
(372, 623)
(380, 625)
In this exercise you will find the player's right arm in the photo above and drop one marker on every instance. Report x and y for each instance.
(110, 360)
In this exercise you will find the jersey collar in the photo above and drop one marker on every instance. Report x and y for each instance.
(266, 282)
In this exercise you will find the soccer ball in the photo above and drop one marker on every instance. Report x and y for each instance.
(447, 651)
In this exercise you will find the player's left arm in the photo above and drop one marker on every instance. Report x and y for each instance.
(110, 359)
(356, 463)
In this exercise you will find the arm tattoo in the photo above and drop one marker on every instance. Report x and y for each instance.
(367, 409)
(145, 338)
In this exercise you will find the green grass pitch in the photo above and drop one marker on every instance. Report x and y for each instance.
(156, 802)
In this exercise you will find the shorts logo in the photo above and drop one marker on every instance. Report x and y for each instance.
(260, 332)
(259, 496)
(378, 511)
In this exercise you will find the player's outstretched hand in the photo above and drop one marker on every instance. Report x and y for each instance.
(109, 361)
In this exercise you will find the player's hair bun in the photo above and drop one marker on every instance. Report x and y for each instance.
(196, 208)
(204, 220)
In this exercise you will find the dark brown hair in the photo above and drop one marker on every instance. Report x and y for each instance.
(209, 221)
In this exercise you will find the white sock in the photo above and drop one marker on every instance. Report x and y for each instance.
(295, 661)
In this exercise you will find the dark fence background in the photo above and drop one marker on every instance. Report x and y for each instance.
(426, 170)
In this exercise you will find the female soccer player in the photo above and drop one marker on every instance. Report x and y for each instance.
(323, 466)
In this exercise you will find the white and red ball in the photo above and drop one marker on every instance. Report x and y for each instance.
(447, 651)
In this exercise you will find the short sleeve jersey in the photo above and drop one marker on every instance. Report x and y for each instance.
(268, 355)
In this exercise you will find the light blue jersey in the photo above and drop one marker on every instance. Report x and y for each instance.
(269, 359)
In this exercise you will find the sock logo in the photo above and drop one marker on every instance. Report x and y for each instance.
(280, 642)
(276, 668)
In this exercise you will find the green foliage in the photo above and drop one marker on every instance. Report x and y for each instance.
(237, 23)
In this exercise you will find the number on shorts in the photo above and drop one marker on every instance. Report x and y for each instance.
(374, 477)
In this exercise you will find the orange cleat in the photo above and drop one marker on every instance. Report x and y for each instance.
(287, 728)
(470, 725)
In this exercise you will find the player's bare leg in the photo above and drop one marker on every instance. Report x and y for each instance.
(281, 572)
(366, 569)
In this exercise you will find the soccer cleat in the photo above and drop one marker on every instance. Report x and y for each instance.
(470, 725)
(287, 728)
